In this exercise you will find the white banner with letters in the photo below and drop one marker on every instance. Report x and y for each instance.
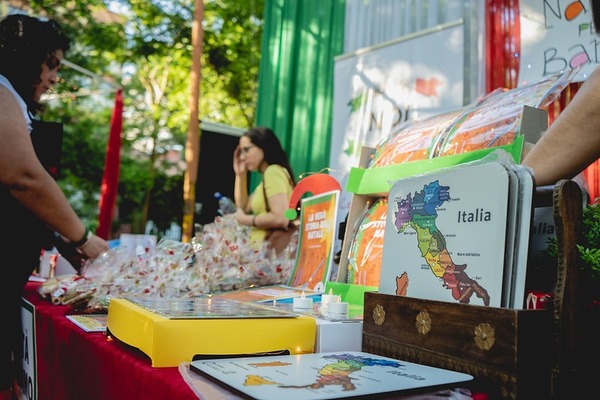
(556, 35)
(378, 88)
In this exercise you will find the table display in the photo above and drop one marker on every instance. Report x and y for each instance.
(74, 364)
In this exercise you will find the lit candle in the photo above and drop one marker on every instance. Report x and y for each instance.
(337, 310)
(327, 299)
(303, 303)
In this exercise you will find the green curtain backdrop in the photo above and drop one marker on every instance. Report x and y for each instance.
(295, 95)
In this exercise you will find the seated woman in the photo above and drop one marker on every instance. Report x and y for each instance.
(264, 210)
(238, 250)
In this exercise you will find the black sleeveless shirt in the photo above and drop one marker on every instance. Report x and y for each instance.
(22, 234)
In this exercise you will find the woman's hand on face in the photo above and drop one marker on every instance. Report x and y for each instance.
(239, 166)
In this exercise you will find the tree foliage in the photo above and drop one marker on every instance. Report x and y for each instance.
(148, 40)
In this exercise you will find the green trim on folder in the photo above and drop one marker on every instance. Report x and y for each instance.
(350, 293)
(378, 180)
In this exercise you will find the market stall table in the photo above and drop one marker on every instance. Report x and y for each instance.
(74, 364)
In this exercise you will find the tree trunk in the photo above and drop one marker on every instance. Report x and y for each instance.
(192, 145)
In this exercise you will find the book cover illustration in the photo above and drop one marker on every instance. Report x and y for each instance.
(445, 235)
(541, 276)
(366, 250)
(323, 375)
(265, 294)
(316, 242)
(89, 322)
(496, 119)
(414, 140)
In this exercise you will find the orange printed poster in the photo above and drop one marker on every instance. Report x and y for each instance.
(366, 250)
(318, 224)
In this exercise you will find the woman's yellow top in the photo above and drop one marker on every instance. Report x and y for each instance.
(277, 181)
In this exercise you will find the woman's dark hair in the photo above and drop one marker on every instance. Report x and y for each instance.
(26, 43)
(266, 139)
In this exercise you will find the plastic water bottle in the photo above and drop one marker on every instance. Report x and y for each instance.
(226, 205)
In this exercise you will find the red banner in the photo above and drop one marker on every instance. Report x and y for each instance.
(110, 179)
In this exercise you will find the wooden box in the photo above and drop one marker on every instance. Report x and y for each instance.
(513, 354)
(506, 350)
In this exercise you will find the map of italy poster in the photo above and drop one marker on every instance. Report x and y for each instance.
(445, 235)
(329, 375)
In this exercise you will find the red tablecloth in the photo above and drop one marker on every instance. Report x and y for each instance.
(74, 364)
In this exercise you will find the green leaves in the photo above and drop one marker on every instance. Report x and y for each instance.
(589, 248)
(146, 42)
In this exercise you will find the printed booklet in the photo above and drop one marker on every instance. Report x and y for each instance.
(331, 375)
(90, 322)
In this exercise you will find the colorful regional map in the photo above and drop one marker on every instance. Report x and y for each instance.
(445, 235)
(324, 375)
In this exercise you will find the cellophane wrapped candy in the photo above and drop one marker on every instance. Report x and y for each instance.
(219, 259)
(229, 262)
